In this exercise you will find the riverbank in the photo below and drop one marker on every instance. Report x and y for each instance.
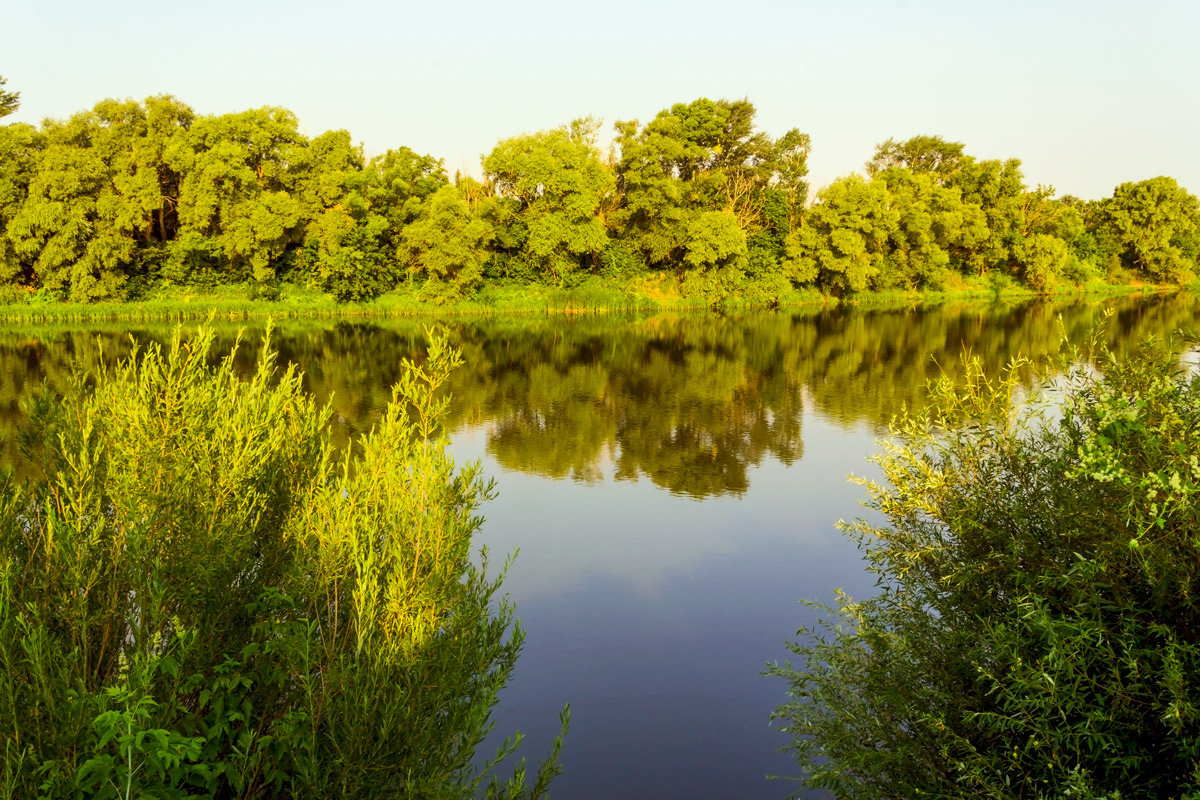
(240, 302)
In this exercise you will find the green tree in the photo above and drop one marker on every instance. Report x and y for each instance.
(1042, 259)
(992, 189)
(9, 101)
(715, 254)
(791, 172)
(559, 181)
(700, 157)
(447, 244)
(323, 170)
(930, 155)
(397, 183)
(1033, 635)
(998, 189)
(74, 229)
(1155, 226)
(100, 204)
(345, 254)
(241, 191)
(932, 223)
(20, 152)
(843, 243)
(361, 212)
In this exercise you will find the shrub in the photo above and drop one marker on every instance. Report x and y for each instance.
(1036, 631)
(199, 597)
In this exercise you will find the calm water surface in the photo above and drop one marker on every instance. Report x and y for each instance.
(672, 485)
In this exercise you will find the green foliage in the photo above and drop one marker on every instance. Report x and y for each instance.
(1155, 225)
(397, 183)
(703, 157)
(558, 181)
(447, 244)
(1034, 631)
(926, 155)
(104, 186)
(931, 216)
(193, 260)
(134, 760)
(20, 147)
(349, 259)
(791, 173)
(714, 241)
(998, 189)
(932, 222)
(842, 243)
(351, 243)
(239, 187)
(620, 260)
(1043, 259)
(127, 198)
(200, 597)
(9, 101)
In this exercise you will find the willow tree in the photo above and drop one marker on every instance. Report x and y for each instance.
(1155, 224)
(20, 151)
(73, 228)
(559, 181)
(239, 192)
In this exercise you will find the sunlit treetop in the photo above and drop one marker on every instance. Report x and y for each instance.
(9, 101)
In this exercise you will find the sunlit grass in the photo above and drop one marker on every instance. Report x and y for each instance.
(641, 294)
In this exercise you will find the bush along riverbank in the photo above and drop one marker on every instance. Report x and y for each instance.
(199, 597)
(1034, 630)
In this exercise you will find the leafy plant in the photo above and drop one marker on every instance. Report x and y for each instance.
(200, 597)
(1034, 632)
(147, 760)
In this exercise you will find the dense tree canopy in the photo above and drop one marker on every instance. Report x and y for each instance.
(127, 198)
(1156, 227)
(702, 157)
(932, 155)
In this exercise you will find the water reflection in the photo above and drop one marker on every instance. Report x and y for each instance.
(691, 403)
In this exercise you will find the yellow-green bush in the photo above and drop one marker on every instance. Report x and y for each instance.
(200, 597)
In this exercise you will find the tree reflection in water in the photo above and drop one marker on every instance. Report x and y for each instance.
(691, 402)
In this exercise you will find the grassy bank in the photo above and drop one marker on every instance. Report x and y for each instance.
(646, 295)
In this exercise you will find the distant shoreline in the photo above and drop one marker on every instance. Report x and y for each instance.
(231, 303)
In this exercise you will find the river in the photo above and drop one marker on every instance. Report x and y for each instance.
(672, 485)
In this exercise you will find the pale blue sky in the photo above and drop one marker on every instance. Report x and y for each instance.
(1086, 94)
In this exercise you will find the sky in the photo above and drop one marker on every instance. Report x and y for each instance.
(1087, 95)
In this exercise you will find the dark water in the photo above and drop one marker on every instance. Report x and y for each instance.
(672, 485)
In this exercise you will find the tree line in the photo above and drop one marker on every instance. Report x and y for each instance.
(129, 197)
